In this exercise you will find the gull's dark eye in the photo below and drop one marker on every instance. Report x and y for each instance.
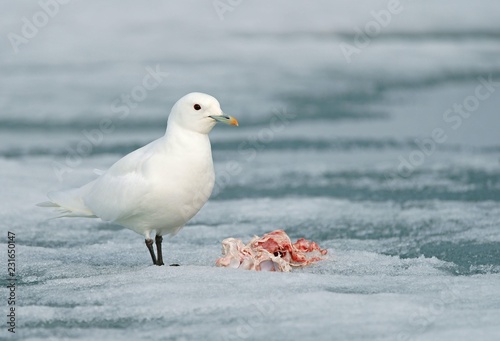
(197, 107)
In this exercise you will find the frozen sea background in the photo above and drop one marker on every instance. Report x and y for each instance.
(412, 256)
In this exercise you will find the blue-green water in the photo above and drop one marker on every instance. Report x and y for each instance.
(389, 157)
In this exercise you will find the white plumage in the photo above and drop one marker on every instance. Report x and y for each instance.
(159, 186)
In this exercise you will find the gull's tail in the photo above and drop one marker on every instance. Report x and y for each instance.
(69, 203)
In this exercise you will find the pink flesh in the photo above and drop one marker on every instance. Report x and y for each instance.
(274, 251)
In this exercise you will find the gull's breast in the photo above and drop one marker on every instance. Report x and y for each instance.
(178, 190)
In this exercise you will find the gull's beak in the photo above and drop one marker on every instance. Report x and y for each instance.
(225, 119)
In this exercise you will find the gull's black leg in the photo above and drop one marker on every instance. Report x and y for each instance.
(149, 244)
(158, 240)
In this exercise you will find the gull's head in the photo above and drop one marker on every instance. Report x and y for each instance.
(199, 112)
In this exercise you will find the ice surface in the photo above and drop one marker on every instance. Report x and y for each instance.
(410, 258)
(83, 280)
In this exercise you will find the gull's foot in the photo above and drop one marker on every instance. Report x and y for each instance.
(158, 240)
(149, 244)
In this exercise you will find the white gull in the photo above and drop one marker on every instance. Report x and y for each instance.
(160, 186)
